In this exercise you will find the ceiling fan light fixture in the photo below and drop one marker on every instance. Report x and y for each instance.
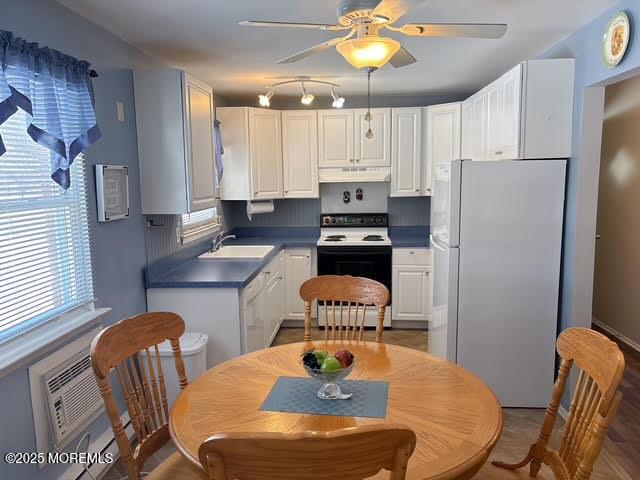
(265, 100)
(371, 51)
(338, 102)
(307, 98)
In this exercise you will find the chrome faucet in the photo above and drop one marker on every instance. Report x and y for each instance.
(217, 242)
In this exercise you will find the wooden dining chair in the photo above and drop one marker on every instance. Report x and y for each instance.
(592, 409)
(348, 454)
(130, 349)
(347, 298)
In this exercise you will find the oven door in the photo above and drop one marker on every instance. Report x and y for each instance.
(368, 262)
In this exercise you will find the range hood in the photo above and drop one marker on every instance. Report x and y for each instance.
(354, 174)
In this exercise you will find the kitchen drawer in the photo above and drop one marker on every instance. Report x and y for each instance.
(412, 256)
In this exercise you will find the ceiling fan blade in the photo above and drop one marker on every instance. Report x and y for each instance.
(470, 30)
(312, 26)
(402, 58)
(310, 51)
(391, 9)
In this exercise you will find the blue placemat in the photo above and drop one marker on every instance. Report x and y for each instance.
(298, 395)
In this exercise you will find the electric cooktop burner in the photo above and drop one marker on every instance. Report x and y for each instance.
(373, 238)
(336, 237)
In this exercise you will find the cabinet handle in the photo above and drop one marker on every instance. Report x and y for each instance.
(279, 278)
(417, 189)
(411, 252)
(357, 160)
(427, 273)
(267, 273)
(286, 191)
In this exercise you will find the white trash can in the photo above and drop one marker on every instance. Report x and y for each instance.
(194, 353)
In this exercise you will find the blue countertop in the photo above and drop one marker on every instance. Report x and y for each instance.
(201, 273)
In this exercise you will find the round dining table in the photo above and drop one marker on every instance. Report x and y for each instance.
(457, 419)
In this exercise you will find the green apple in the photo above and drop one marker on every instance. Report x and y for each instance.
(320, 356)
(330, 365)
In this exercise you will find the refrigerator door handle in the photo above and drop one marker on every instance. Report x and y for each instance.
(436, 243)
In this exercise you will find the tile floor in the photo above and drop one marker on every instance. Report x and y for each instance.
(521, 426)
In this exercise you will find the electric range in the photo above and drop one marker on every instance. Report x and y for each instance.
(356, 244)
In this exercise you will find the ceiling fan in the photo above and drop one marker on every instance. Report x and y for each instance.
(364, 47)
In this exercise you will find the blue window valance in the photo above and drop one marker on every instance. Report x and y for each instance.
(55, 91)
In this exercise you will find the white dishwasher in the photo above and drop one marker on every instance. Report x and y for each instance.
(251, 315)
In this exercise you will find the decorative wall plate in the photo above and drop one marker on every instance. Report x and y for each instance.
(616, 39)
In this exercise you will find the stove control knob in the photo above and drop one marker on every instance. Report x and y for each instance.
(333, 220)
(327, 220)
(380, 220)
(361, 220)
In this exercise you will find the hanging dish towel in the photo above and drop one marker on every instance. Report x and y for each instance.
(219, 150)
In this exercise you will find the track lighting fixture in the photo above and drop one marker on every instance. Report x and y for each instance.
(264, 100)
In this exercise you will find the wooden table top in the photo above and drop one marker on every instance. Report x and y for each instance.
(456, 417)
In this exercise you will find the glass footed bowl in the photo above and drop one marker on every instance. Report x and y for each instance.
(329, 389)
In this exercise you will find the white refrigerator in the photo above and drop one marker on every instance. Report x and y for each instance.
(496, 232)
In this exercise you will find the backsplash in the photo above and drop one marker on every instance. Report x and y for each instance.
(162, 243)
(374, 197)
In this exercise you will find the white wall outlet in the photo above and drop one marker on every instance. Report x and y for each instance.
(120, 111)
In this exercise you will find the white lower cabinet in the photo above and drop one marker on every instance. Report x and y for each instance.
(412, 284)
(273, 297)
(299, 267)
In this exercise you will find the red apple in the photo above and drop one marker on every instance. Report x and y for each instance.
(345, 357)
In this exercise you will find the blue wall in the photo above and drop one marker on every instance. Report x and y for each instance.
(585, 45)
(119, 247)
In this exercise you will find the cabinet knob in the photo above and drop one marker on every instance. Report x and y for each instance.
(267, 273)
(427, 273)
(411, 252)
(417, 189)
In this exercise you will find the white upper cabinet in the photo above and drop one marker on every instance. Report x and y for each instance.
(406, 152)
(335, 138)
(374, 151)
(265, 150)
(474, 126)
(443, 136)
(252, 158)
(174, 119)
(300, 153)
(525, 114)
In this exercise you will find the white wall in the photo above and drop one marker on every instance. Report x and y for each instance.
(616, 301)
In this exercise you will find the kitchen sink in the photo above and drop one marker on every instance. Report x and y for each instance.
(239, 252)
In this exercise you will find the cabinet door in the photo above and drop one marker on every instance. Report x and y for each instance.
(265, 150)
(374, 151)
(253, 317)
(199, 140)
(443, 136)
(335, 138)
(467, 128)
(478, 131)
(510, 93)
(297, 271)
(494, 121)
(412, 292)
(300, 153)
(406, 152)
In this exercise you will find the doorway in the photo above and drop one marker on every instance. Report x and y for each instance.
(616, 285)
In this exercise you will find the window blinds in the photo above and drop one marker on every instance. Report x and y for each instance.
(199, 224)
(45, 253)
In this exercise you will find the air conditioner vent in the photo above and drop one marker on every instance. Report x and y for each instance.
(61, 379)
